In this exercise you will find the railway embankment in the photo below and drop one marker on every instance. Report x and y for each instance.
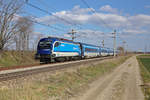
(60, 85)
(10, 59)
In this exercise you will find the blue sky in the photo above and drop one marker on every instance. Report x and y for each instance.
(131, 18)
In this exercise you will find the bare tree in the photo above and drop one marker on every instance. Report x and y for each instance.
(8, 25)
(121, 50)
(36, 39)
(25, 28)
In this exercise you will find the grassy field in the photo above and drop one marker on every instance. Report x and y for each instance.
(14, 58)
(144, 61)
(60, 86)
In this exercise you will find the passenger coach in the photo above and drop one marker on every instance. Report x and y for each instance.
(90, 51)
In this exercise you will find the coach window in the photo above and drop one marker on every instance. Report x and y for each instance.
(57, 44)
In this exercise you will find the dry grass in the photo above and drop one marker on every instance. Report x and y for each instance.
(14, 58)
(60, 86)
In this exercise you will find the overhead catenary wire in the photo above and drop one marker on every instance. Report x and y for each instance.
(46, 6)
(105, 24)
(93, 11)
(46, 25)
(43, 24)
(45, 11)
(34, 21)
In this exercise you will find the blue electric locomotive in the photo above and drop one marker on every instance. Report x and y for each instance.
(58, 49)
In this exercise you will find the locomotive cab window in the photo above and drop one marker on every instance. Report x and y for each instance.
(45, 44)
(57, 44)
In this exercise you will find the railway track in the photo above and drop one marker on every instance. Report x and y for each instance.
(19, 73)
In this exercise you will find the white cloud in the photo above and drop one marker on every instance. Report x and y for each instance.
(140, 20)
(90, 33)
(47, 19)
(108, 8)
(113, 20)
(76, 16)
(147, 6)
(78, 10)
(133, 31)
(86, 34)
(67, 36)
(130, 24)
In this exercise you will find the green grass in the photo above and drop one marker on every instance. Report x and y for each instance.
(60, 86)
(144, 62)
(145, 67)
(146, 55)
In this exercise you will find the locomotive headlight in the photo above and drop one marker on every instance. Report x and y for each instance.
(53, 55)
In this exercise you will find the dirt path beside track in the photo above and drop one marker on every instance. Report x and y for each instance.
(122, 84)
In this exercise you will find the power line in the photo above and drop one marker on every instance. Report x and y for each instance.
(45, 5)
(95, 13)
(120, 37)
(34, 17)
(45, 11)
(34, 21)
(45, 25)
(114, 33)
(73, 32)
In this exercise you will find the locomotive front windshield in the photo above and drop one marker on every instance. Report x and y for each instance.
(45, 44)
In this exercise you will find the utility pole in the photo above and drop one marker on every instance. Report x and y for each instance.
(73, 32)
(124, 42)
(103, 43)
(114, 33)
(127, 49)
(145, 49)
